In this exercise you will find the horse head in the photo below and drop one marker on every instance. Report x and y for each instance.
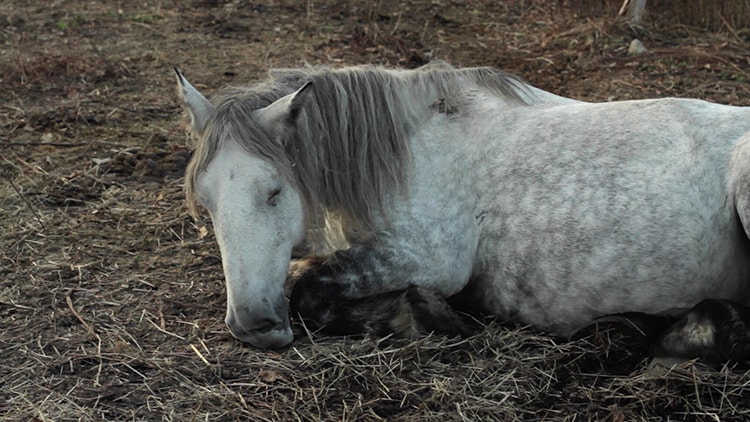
(256, 210)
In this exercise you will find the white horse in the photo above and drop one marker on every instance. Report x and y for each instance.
(539, 209)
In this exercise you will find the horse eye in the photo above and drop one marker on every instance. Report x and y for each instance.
(273, 196)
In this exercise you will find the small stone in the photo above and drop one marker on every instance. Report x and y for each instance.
(637, 48)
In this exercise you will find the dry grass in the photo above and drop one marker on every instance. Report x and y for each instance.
(731, 16)
(727, 16)
(111, 298)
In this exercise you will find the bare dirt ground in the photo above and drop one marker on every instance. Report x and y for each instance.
(111, 297)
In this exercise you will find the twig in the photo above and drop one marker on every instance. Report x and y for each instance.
(152, 112)
(69, 301)
(25, 201)
(165, 331)
(200, 355)
(42, 144)
(60, 144)
(730, 28)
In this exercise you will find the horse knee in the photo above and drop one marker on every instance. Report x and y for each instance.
(715, 331)
(412, 312)
(433, 314)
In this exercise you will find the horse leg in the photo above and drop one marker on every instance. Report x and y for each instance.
(715, 331)
(320, 295)
(406, 313)
(739, 180)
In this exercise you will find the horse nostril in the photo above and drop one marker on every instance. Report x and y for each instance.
(240, 326)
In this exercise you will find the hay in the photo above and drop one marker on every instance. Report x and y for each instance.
(111, 297)
(199, 373)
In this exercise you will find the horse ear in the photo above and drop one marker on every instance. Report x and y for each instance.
(286, 109)
(199, 108)
(299, 101)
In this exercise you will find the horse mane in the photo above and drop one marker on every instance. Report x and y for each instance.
(349, 150)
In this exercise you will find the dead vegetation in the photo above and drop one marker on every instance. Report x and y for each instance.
(111, 298)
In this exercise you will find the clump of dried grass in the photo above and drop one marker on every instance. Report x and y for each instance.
(499, 374)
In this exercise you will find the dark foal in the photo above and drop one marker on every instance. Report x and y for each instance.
(404, 313)
(714, 331)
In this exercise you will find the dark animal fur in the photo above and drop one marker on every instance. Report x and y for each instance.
(321, 305)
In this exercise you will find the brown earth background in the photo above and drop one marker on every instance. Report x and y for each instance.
(112, 299)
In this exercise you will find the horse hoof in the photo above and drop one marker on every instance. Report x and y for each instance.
(715, 331)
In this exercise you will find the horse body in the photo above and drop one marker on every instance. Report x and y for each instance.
(567, 219)
(542, 209)
(608, 208)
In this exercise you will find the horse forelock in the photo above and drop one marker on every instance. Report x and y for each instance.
(349, 150)
(232, 120)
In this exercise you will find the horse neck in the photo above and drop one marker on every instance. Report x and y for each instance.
(352, 148)
(352, 152)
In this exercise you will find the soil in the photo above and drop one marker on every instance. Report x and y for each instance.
(111, 296)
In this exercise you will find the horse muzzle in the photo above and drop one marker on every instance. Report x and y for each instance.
(269, 331)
